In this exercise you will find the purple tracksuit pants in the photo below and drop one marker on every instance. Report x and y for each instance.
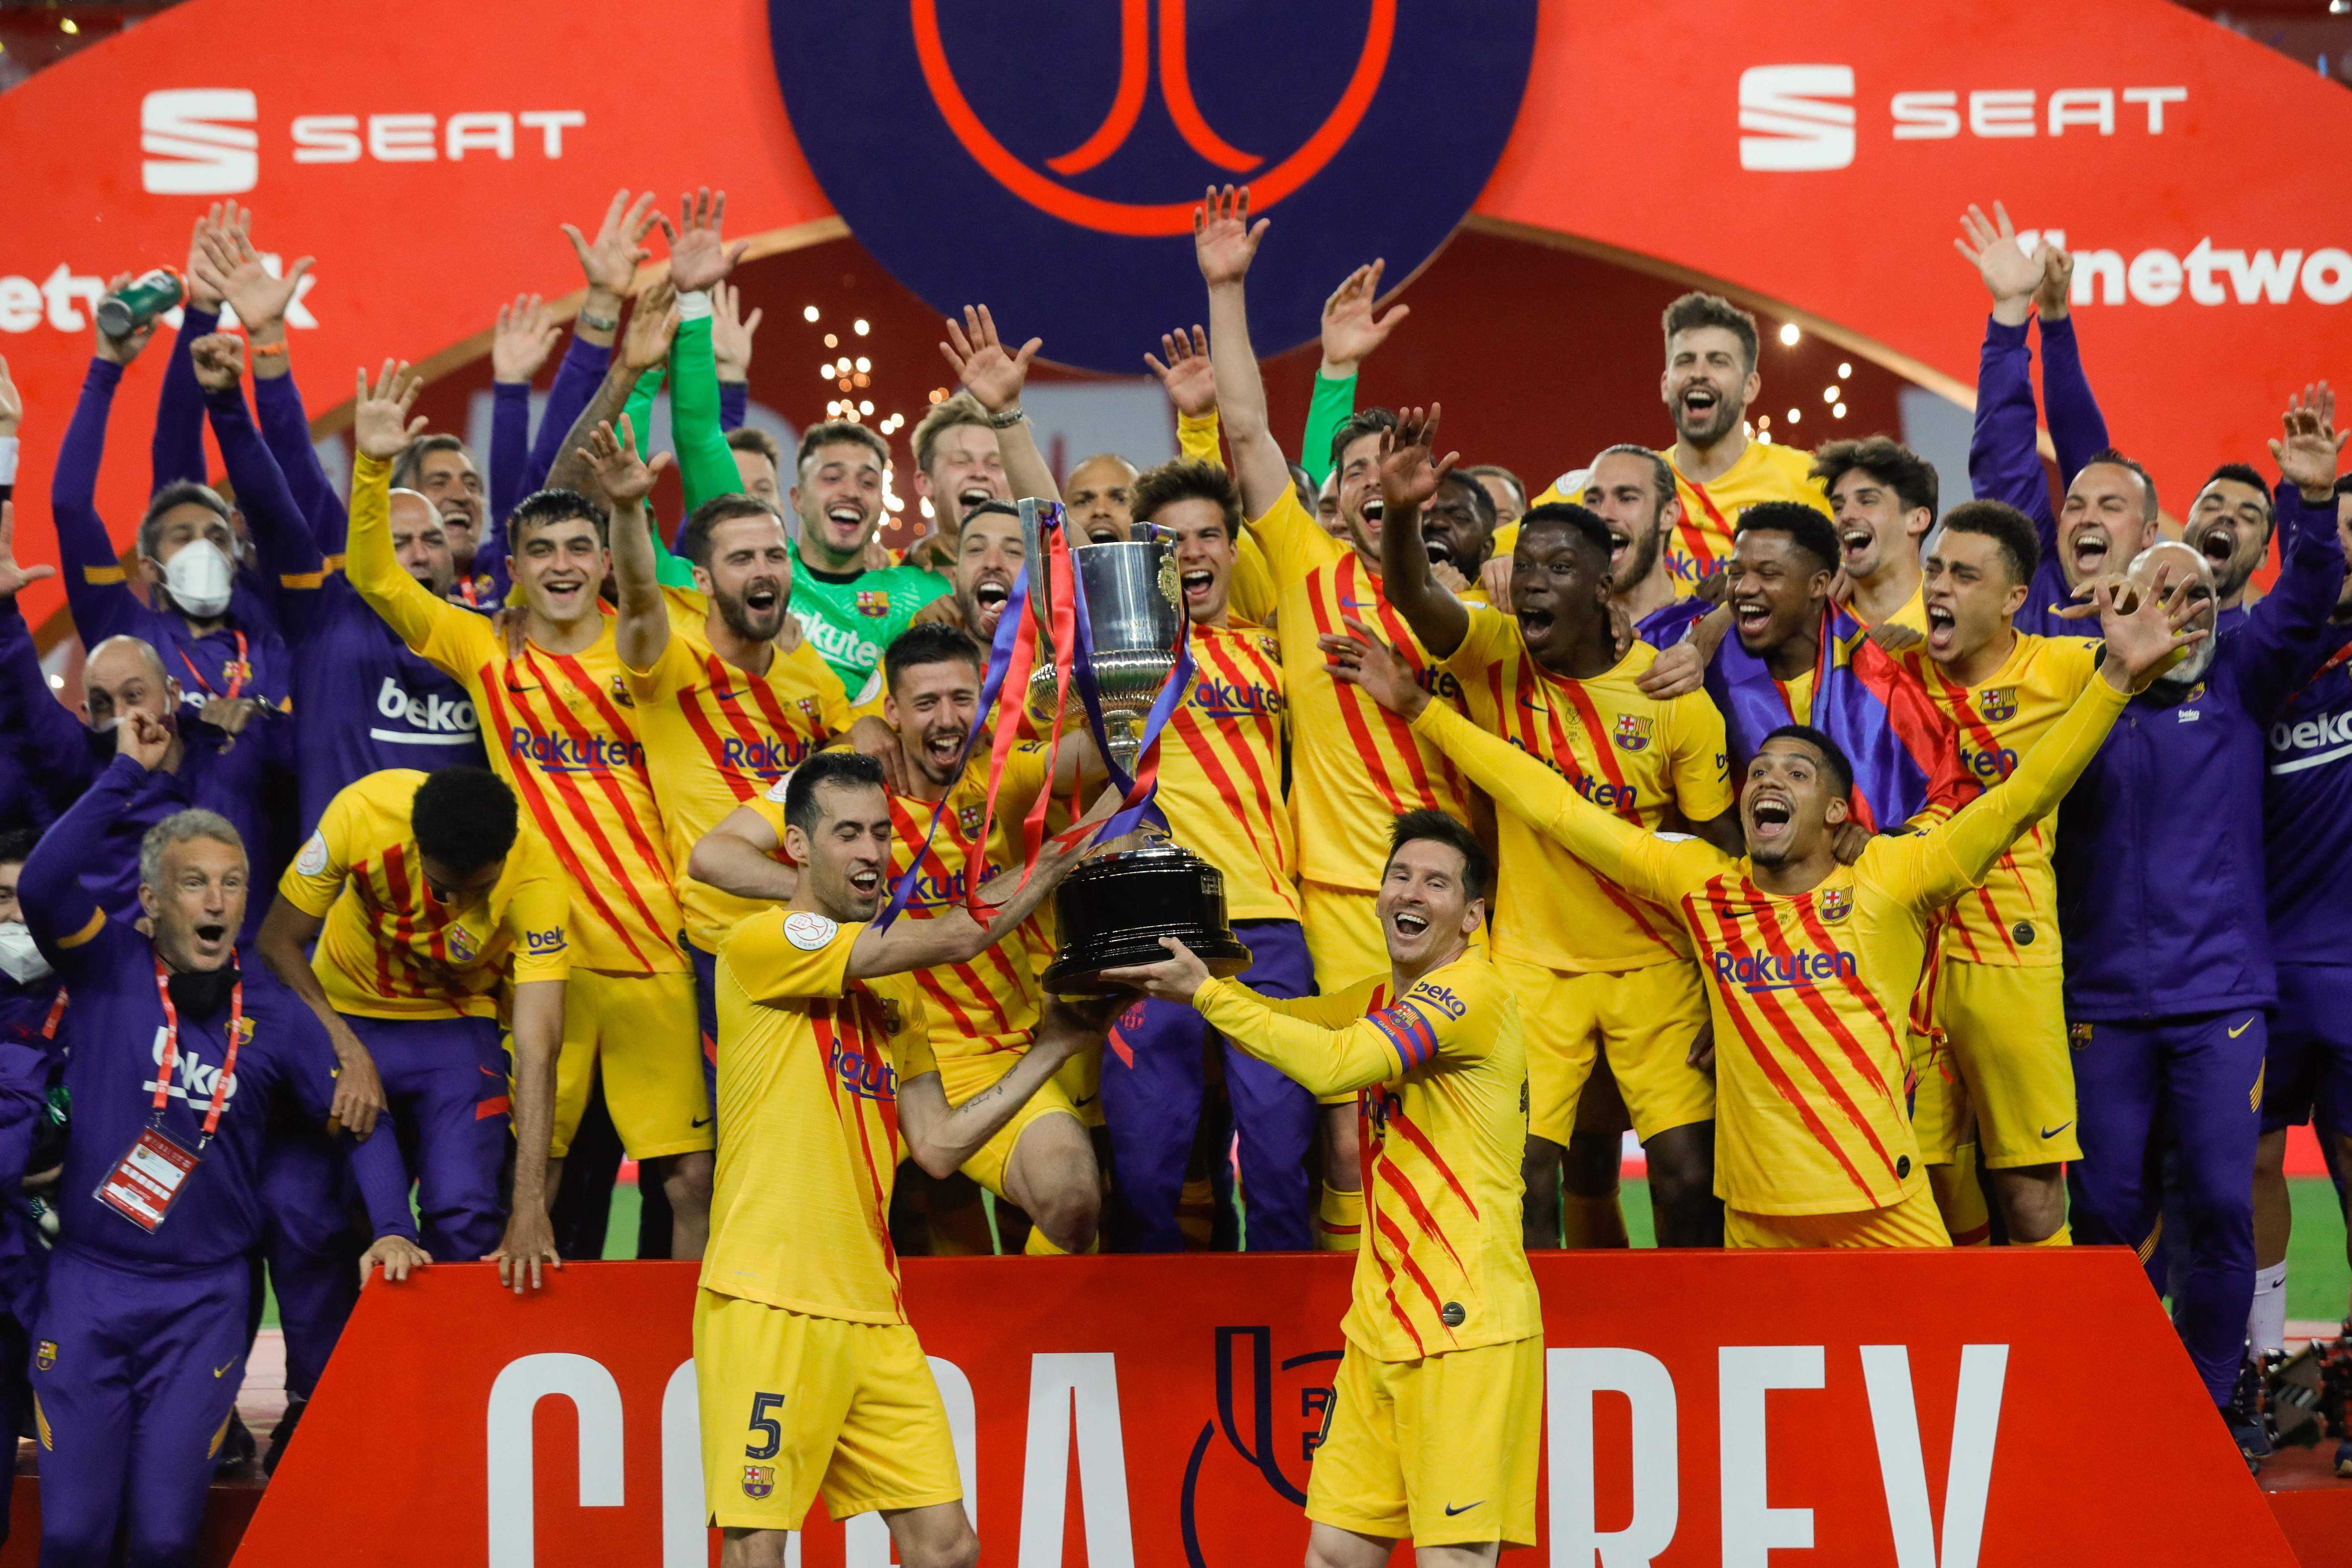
(2197, 1082)
(1154, 1075)
(134, 1374)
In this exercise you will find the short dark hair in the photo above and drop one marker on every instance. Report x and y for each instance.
(931, 642)
(405, 467)
(542, 508)
(694, 539)
(992, 507)
(1568, 516)
(841, 766)
(1832, 755)
(1910, 476)
(2146, 479)
(1188, 479)
(463, 817)
(1428, 823)
(2021, 548)
(1661, 473)
(1480, 503)
(837, 433)
(2245, 474)
(1363, 422)
(1807, 529)
(17, 845)
(1697, 309)
(1497, 471)
(179, 492)
(752, 438)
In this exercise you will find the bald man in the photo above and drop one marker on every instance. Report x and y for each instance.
(2168, 967)
(1095, 499)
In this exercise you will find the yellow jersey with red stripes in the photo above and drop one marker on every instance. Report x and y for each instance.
(1442, 1080)
(2011, 917)
(810, 1064)
(1810, 992)
(561, 729)
(1764, 471)
(1355, 766)
(991, 1003)
(1656, 764)
(717, 736)
(388, 948)
(1221, 770)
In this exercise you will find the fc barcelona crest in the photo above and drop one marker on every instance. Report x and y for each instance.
(1834, 904)
(1633, 733)
(237, 672)
(873, 601)
(759, 1480)
(462, 946)
(46, 1356)
(1998, 704)
(967, 820)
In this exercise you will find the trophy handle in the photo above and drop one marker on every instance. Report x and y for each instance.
(1034, 514)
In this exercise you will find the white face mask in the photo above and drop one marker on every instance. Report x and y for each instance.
(199, 577)
(21, 960)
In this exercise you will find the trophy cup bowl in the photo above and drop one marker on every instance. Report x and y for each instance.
(1115, 907)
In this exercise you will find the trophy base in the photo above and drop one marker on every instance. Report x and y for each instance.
(1113, 908)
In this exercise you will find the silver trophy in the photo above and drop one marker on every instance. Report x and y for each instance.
(1113, 908)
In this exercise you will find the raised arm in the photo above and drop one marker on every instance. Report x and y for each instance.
(641, 629)
(524, 335)
(176, 449)
(2078, 431)
(289, 552)
(1192, 387)
(50, 739)
(95, 589)
(1224, 241)
(57, 908)
(652, 328)
(1408, 479)
(2275, 648)
(2004, 457)
(731, 333)
(1351, 330)
(739, 856)
(381, 428)
(700, 260)
(995, 374)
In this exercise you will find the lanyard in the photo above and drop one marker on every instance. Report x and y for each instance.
(2335, 661)
(238, 671)
(171, 1054)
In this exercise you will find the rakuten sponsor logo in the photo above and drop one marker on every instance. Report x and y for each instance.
(2206, 274)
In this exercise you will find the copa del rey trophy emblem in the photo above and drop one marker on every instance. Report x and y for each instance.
(1128, 623)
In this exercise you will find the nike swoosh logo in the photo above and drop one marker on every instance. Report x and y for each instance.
(724, 695)
(700, 1122)
(2053, 1131)
(223, 1367)
(1527, 702)
(1451, 1511)
(1089, 1099)
(2241, 1029)
(1366, 605)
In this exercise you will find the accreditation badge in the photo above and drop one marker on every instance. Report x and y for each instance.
(146, 1181)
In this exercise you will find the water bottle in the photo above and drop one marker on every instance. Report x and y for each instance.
(140, 302)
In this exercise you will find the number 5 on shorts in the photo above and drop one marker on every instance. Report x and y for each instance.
(771, 1430)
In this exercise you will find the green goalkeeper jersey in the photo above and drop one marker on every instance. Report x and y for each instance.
(852, 619)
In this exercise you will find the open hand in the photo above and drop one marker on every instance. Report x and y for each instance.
(1190, 383)
(1224, 241)
(1990, 245)
(381, 427)
(1408, 477)
(731, 333)
(2310, 446)
(1361, 660)
(14, 576)
(226, 260)
(1173, 979)
(2145, 641)
(1351, 329)
(204, 294)
(398, 1257)
(610, 263)
(529, 1244)
(526, 333)
(624, 477)
(989, 370)
(218, 359)
(653, 326)
(698, 257)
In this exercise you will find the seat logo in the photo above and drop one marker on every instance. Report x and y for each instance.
(1077, 140)
(1796, 117)
(199, 141)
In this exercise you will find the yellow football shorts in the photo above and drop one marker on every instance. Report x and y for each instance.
(1080, 1079)
(969, 1072)
(1645, 1020)
(1913, 1222)
(642, 1032)
(794, 1407)
(2005, 1027)
(1442, 1449)
(1939, 1100)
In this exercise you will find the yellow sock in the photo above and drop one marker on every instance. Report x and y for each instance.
(1960, 1197)
(1592, 1222)
(2063, 1236)
(1040, 1246)
(1341, 1215)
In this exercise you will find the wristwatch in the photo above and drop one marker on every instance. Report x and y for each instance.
(599, 324)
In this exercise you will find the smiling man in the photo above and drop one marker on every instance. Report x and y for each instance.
(850, 612)
(1596, 975)
(1882, 502)
(1436, 1413)
(1810, 962)
(958, 465)
(2229, 523)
